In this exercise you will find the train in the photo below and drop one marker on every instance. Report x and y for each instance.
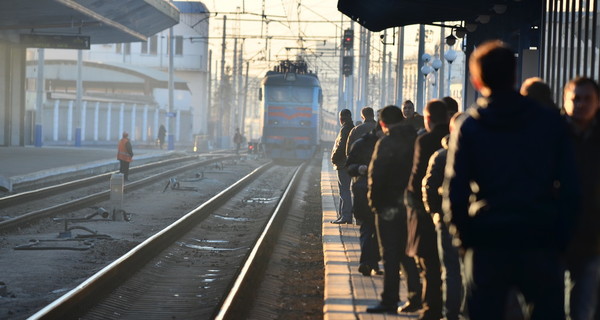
(291, 99)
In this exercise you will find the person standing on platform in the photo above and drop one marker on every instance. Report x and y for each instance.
(412, 117)
(422, 238)
(368, 117)
(511, 191)
(162, 133)
(388, 176)
(582, 110)
(357, 164)
(338, 158)
(452, 291)
(237, 139)
(124, 155)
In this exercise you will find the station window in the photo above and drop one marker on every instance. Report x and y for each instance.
(178, 45)
(119, 48)
(153, 45)
(144, 47)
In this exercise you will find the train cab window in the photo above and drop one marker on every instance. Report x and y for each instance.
(259, 94)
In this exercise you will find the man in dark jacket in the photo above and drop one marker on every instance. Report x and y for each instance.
(357, 165)
(511, 191)
(338, 158)
(411, 116)
(368, 117)
(389, 171)
(582, 105)
(422, 239)
(452, 291)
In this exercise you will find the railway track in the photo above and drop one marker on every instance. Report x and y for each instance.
(205, 264)
(30, 206)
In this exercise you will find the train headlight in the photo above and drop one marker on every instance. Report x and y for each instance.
(273, 122)
(306, 123)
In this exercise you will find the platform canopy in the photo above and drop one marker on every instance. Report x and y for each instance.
(377, 15)
(104, 21)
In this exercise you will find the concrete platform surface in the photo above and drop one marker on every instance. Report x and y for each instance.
(347, 292)
(24, 164)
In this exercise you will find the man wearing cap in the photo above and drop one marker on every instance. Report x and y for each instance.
(125, 155)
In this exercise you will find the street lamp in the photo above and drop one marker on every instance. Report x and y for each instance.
(425, 70)
(436, 64)
(450, 56)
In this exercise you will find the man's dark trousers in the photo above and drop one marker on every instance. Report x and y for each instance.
(392, 235)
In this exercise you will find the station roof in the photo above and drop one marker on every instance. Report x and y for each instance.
(96, 72)
(105, 21)
(377, 15)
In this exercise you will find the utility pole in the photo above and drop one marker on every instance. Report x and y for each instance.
(234, 121)
(245, 98)
(78, 98)
(341, 102)
(420, 78)
(441, 71)
(241, 96)
(382, 76)
(171, 111)
(222, 86)
(208, 110)
(400, 68)
(39, 98)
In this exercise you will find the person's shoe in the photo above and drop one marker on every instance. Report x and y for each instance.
(342, 221)
(377, 271)
(365, 269)
(382, 308)
(410, 307)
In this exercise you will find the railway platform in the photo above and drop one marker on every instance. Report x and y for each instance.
(347, 292)
(26, 165)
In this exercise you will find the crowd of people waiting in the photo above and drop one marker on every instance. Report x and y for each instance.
(508, 192)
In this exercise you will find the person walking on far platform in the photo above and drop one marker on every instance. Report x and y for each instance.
(162, 133)
(237, 139)
(124, 155)
(511, 191)
(338, 158)
(582, 111)
(389, 171)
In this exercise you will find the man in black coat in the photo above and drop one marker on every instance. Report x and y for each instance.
(338, 158)
(452, 291)
(422, 238)
(511, 191)
(389, 172)
(582, 109)
(357, 164)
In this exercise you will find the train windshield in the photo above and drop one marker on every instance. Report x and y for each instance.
(289, 94)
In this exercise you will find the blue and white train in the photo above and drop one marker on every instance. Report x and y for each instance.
(291, 99)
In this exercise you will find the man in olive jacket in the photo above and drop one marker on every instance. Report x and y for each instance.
(338, 158)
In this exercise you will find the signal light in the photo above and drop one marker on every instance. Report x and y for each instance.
(347, 65)
(348, 40)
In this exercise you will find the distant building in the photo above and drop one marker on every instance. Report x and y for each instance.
(148, 63)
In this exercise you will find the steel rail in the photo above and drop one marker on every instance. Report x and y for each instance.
(239, 299)
(81, 298)
(99, 196)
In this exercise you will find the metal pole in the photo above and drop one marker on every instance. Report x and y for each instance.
(221, 86)
(341, 102)
(420, 77)
(78, 99)
(209, 95)
(382, 75)
(449, 77)
(39, 99)
(243, 127)
(171, 111)
(441, 71)
(400, 68)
